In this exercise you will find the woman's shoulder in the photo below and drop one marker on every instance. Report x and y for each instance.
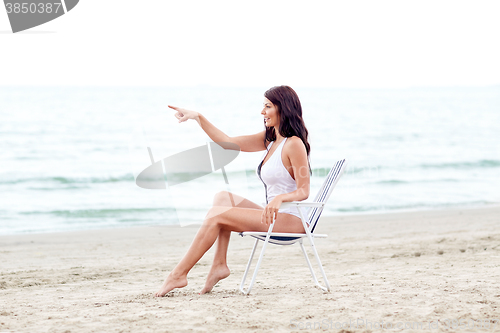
(295, 143)
(295, 140)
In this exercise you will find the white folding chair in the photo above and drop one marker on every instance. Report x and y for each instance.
(315, 210)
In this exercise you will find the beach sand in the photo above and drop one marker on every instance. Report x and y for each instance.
(397, 268)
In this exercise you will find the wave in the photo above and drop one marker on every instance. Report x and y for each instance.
(72, 180)
(417, 181)
(100, 213)
(317, 172)
(392, 182)
(464, 165)
(354, 170)
(418, 206)
(322, 172)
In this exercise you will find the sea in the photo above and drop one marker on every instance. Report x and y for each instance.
(70, 155)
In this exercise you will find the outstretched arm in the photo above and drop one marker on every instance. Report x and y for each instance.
(247, 143)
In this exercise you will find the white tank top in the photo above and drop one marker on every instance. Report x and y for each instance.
(276, 178)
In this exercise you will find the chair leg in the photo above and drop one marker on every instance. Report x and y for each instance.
(248, 268)
(310, 237)
(255, 270)
(319, 264)
(258, 262)
(309, 265)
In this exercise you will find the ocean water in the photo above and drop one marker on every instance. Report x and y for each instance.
(69, 156)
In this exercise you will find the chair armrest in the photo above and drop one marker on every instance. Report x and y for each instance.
(301, 204)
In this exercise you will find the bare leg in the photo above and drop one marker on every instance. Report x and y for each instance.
(203, 241)
(222, 218)
(219, 269)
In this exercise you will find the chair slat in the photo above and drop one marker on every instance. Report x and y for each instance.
(325, 192)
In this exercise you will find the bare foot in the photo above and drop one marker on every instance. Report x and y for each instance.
(215, 275)
(171, 282)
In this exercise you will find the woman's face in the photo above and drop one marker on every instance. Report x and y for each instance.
(270, 113)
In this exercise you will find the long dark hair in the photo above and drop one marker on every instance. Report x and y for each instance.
(290, 114)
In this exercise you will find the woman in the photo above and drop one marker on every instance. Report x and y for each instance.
(284, 171)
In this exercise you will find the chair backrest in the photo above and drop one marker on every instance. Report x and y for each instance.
(325, 191)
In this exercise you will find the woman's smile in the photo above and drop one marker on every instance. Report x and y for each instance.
(270, 113)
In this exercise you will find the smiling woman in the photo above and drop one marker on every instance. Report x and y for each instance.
(281, 170)
(270, 113)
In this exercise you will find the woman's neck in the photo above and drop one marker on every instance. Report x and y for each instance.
(279, 138)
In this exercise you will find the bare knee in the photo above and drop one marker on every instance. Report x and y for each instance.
(213, 217)
(222, 198)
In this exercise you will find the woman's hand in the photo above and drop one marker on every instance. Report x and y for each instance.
(271, 210)
(183, 114)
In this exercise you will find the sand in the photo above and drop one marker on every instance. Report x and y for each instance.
(438, 269)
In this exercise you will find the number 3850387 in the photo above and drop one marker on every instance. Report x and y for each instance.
(32, 8)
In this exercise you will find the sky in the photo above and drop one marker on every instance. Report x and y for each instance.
(344, 44)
